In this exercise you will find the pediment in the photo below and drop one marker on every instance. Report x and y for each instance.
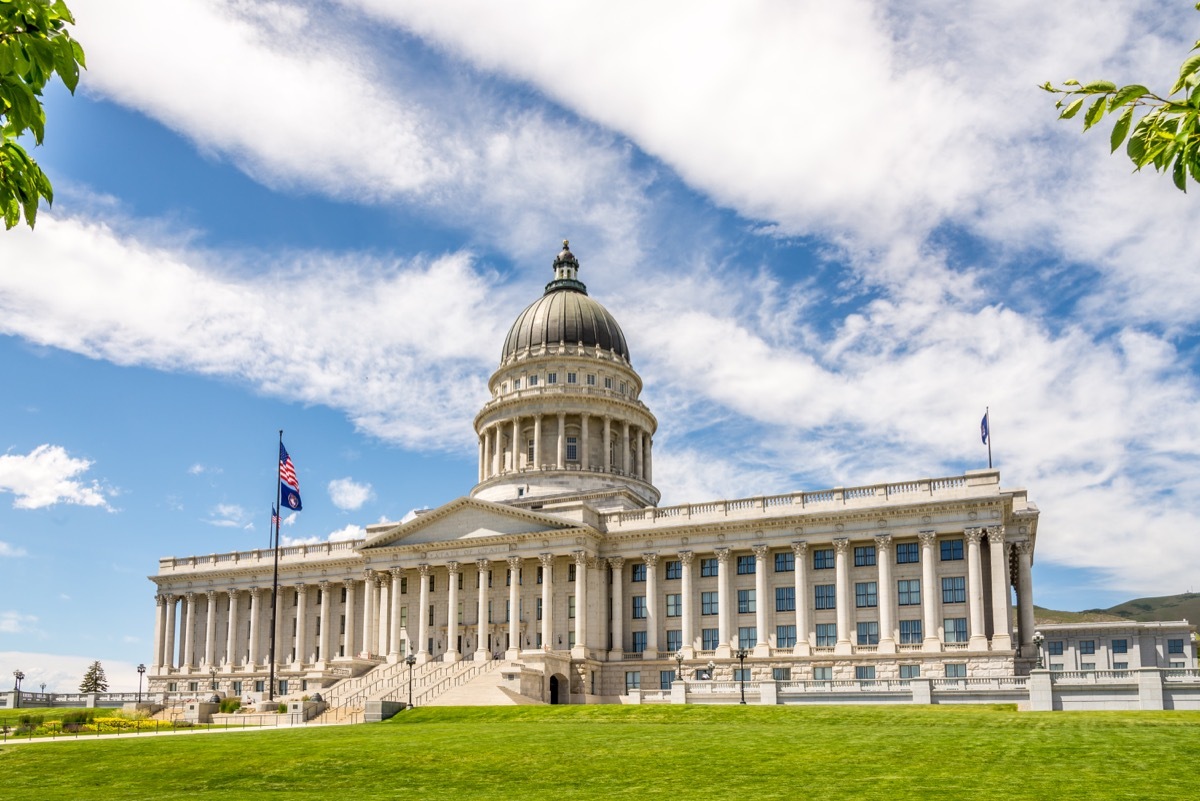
(464, 520)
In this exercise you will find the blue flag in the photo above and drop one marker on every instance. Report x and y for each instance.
(983, 428)
(289, 487)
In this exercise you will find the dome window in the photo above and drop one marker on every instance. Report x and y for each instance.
(533, 380)
(516, 383)
(570, 378)
(591, 380)
(551, 378)
(608, 382)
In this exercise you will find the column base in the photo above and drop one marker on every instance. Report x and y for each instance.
(422, 657)
(802, 649)
(689, 652)
(481, 655)
(451, 656)
(650, 653)
(512, 654)
(762, 649)
(393, 657)
(931, 645)
(977, 643)
(579, 652)
(887, 646)
(1001, 642)
(615, 656)
(724, 652)
(843, 648)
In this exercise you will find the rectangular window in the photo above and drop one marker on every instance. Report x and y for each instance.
(956, 629)
(908, 553)
(674, 640)
(529, 452)
(826, 634)
(745, 602)
(708, 568)
(591, 380)
(823, 559)
(608, 382)
(866, 595)
(868, 633)
(491, 618)
(551, 378)
(823, 674)
(622, 387)
(637, 571)
(785, 562)
(952, 550)
(570, 607)
(1055, 647)
(1174, 646)
(1056, 666)
(785, 599)
(781, 674)
(237, 688)
(908, 592)
(639, 607)
(489, 579)
(708, 603)
(745, 565)
(1087, 646)
(910, 632)
(956, 670)
(259, 685)
(741, 674)
(538, 608)
(954, 589)
(1120, 666)
(343, 595)
(1120, 646)
(1087, 665)
(570, 572)
(533, 380)
(785, 636)
(572, 449)
(665, 679)
(639, 641)
(516, 383)
(708, 639)
(910, 671)
(747, 636)
(571, 378)
(539, 575)
(633, 680)
(674, 569)
(864, 555)
(826, 596)
(864, 672)
(674, 604)
(432, 586)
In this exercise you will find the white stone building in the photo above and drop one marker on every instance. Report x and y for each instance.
(560, 563)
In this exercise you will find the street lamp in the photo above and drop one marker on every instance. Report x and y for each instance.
(679, 665)
(141, 669)
(212, 671)
(1038, 639)
(410, 660)
(741, 657)
(18, 675)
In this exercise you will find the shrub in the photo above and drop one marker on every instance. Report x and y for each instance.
(282, 708)
(229, 705)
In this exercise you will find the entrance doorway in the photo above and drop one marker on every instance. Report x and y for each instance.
(559, 690)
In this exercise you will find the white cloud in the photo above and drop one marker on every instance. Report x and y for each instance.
(229, 515)
(199, 470)
(46, 476)
(63, 673)
(11, 551)
(16, 623)
(349, 532)
(348, 495)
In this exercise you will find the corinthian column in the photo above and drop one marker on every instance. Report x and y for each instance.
(482, 652)
(514, 607)
(581, 607)
(231, 638)
(929, 592)
(585, 457)
(370, 602)
(1025, 595)
(255, 616)
(887, 598)
(189, 634)
(762, 647)
(978, 640)
(423, 615)
(617, 565)
(686, 559)
(325, 640)
(651, 560)
(210, 629)
(301, 625)
(160, 626)
(547, 560)
(452, 654)
(804, 622)
(537, 442)
(348, 638)
(723, 612)
(394, 637)
(168, 660)
(1001, 616)
(841, 548)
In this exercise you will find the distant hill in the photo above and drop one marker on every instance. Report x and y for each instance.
(1185, 606)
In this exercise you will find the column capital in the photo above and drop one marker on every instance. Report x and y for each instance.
(378, 580)
(760, 551)
(616, 562)
(562, 415)
(348, 582)
(996, 534)
(324, 585)
(722, 556)
(927, 538)
(483, 564)
(368, 574)
(547, 560)
(453, 567)
(253, 590)
(299, 585)
(1024, 548)
(800, 548)
(581, 558)
(424, 569)
(160, 599)
(514, 564)
(841, 544)
(883, 542)
(651, 559)
(189, 595)
(212, 594)
(686, 557)
(397, 572)
(593, 562)
(973, 534)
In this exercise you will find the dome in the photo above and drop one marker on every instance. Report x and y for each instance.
(565, 314)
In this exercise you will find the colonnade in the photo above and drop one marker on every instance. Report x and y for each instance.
(523, 443)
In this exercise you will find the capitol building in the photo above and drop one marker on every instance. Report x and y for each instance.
(560, 577)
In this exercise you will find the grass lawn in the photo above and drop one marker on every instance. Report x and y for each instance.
(900, 752)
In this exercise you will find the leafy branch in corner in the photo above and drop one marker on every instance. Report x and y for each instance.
(1166, 136)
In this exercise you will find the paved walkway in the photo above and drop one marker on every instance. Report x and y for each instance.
(65, 738)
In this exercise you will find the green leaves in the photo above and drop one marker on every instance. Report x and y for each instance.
(34, 47)
(1120, 129)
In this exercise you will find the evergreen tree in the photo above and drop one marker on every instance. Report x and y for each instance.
(94, 681)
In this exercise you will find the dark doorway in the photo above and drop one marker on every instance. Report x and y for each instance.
(558, 690)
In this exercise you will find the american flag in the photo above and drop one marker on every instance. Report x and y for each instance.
(287, 470)
(274, 516)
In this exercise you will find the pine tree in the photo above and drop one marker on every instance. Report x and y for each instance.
(94, 681)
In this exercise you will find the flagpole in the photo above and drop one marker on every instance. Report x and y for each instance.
(988, 415)
(275, 577)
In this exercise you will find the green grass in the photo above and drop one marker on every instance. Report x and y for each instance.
(900, 752)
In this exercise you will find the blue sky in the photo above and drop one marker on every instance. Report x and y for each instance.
(833, 234)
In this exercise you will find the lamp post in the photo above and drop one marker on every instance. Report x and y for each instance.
(679, 665)
(212, 671)
(741, 657)
(18, 675)
(141, 669)
(410, 660)
(1038, 639)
